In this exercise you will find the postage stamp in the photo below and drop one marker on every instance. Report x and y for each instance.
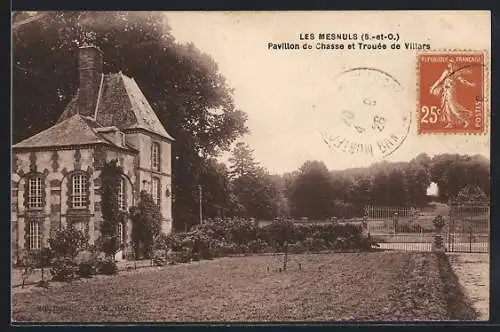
(451, 97)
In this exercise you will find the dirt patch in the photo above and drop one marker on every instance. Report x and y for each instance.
(472, 271)
(459, 305)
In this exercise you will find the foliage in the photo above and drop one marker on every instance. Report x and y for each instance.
(311, 192)
(111, 177)
(159, 257)
(279, 232)
(230, 236)
(146, 223)
(63, 269)
(67, 243)
(86, 261)
(255, 189)
(438, 222)
(28, 261)
(107, 266)
(86, 269)
(189, 95)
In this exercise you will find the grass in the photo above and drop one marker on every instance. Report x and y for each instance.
(376, 286)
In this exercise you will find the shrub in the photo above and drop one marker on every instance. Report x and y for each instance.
(86, 269)
(107, 266)
(258, 246)
(86, 261)
(297, 248)
(159, 258)
(66, 243)
(63, 270)
(28, 263)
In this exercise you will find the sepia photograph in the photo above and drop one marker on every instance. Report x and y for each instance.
(250, 167)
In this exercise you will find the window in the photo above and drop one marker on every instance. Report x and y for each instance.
(35, 188)
(155, 156)
(121, 195)
(155, 190)
(79, 191)
(34, 235)
(119, 233)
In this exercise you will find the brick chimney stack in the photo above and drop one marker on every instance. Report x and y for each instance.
(90, 63)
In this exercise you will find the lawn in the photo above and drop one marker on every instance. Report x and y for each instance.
(377, 286)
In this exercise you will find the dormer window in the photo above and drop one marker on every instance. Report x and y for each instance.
(155, 156)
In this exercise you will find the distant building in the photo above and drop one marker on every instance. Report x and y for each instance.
(433, 189)
(56, 173)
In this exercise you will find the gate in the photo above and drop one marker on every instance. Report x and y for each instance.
(468, 228)
(400, 228)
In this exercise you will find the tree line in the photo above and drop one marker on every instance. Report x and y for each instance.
(195, 104)
(246, 189)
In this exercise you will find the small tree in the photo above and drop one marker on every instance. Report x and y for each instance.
(111, 177)
(67, 243)
(146, 223)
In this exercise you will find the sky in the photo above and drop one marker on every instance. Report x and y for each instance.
(290, 95)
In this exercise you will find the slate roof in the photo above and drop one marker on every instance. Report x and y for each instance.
(121, 103)
(75, 130)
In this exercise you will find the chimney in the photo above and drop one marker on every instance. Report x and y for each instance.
(90, 62)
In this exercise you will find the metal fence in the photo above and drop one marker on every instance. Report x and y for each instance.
(468, 228)
(410, 229)
(399, 228)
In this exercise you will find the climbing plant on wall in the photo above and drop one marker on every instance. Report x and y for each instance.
(111, 176)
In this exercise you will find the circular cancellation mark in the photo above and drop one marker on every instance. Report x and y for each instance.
(366, 116)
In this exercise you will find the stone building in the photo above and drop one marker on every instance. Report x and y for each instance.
(56, 173)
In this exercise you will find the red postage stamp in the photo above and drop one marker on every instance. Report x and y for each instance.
(451, 97)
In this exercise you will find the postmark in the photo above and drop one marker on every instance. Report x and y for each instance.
(451, 92)
(366, 117)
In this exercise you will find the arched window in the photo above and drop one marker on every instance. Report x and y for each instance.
(35, 192)
(155, 190)
(155, 156)
(79, 190)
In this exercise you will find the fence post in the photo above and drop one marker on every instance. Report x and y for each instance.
(470, 236)
(438, 238)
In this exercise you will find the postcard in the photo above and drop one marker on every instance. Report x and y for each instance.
(221, 167)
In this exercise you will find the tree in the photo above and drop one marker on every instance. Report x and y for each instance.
(452, 172)
(253, 186)
(242, 161)
(67, 243)
(190, 97)
(146, 224)
(217, 199)
(111, 177)
(311, 192)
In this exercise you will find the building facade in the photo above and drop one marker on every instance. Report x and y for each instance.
(56, 173)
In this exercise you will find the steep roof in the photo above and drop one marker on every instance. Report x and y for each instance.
(121, 103)
(75, 130)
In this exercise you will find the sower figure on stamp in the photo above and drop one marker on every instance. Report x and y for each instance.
(445, 86)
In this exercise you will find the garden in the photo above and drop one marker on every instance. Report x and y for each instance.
(71, 257)
(233, 270)
(367, 286)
